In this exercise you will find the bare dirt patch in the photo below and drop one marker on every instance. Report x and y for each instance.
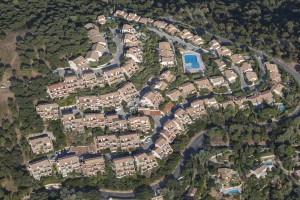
(8, 184)
(8, 53)
(4, 95)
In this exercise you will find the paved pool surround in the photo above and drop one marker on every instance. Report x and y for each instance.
(192, 62)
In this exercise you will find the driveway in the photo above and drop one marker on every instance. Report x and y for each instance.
(241, 75)
(116, 60)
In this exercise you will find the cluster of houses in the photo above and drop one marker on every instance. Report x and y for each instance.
(236, 59)
(169, 28)
(90, 79)
(132, 44)
(99, 47)
(86, 160)
(73, 121)
(166, 54)
(175, 125)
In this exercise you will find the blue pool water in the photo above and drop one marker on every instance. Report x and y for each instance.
(233, 191)
(268, 163)
(281, 108)
(191, 62)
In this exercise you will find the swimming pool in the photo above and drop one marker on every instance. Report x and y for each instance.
(233, 191)
(268, 163)
(281, 108)
(191, 62)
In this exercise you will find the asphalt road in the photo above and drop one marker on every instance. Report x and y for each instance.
(283, 66)
(195, 145)
(197, 142)
(241, 75)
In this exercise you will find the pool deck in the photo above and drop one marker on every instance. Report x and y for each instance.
(201, 68)
(227, 190)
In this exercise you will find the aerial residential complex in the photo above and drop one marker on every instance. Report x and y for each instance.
(128, 115)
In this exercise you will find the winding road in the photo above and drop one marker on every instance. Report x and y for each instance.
(196, 143)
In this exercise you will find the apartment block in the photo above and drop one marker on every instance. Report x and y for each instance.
(72, 123)
(241, 102)
(129, 142)
(88, 102)
(220, 64)
(214, 44)
(114, 123)
(237, 58)
(144, 20)
(130, 40)
(40, 168)
(72, 83)
(171, 29)
(104, 142)
(58, 91)
(186, 34)
(94, 120)
(141, 123)
(230, 75)
(113, 76)
(68, 164)
(196, 113)
(226, 104)
(91, 80)
(48, 111)
(121, 13)
(277, 89)
(167, 76)
(40, 144)
(91, 166)
(145, 162)
(112, 99)
(162, 148)
(211, 102)
(160, 85)
(81, 150)
(128, 92)
(124, 166)
(197, 40)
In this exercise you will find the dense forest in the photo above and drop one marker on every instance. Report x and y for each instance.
(268, 25)
(55, 27)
